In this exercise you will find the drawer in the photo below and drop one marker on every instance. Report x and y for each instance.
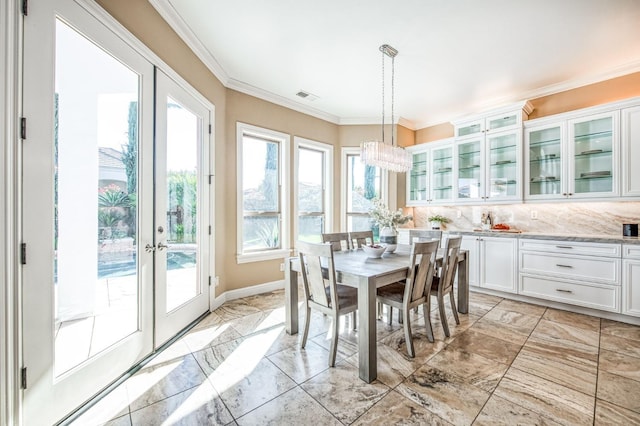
(594, 296)
(631, 251)
(588, 249)
(583, 268)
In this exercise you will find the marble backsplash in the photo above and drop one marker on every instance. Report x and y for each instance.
(592, 218)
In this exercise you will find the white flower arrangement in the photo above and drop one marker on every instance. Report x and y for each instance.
(385, 218)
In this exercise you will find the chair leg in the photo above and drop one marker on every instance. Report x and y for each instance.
(407, 334)
(353, 320)
(426, 310)
(390, 315)
(400, 316)
(334, 341)
(379, 310)
(307, 320)
(454, 308)
(443, 315)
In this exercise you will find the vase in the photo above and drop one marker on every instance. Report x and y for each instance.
(435, 225)
(389, 237)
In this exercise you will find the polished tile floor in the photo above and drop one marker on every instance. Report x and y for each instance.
(506, 363)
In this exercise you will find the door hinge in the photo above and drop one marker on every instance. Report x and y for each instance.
(25, 7)
(23, 128)
(209, 229)
(209, 280)
(210, 178)
(209, 128)
(23, 377)
(23, 253)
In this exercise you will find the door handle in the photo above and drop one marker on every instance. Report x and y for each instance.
(162, 246)
(564, 266)
(149, 248)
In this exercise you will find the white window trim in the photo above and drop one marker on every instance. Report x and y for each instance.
(384, 183)
(328, 180)
(285, 203)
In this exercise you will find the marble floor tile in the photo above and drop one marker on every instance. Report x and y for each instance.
(489, 347)
(523, 308)
(267, 301)
(500, 412)
(235, 309)
(422, 347)
(620, 364)
(152, 384)
(258, 321)
(290, 408)
(346, 348)
(569, 364)
(120, 421)
(114, 405)
(480, 304)
(560, 331)
(197, 406)
(521, 322)
(393, 366)
(343, 393)
(611, 414)
(466, 321)
(444, 394)
(619, 390)
(586, 322)
(620, 344)
(213, 319)
(620, 329)
(395, 409)
(246, 387)
(546, 398)
(302, 364)
(477, 370)
(200, 338)
(500, 331)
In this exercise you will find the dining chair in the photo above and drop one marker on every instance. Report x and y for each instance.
(360, 238)
(424, 235)
(442, 284)
(337, 239)
(324, 294)
(415, 290)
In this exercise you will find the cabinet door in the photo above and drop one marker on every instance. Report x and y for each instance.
(470, 128)
(593, 156)
(471, 244)
(631, 287)
(417, 180)
(442, 174)
(630, 152)
(504, 173)
(470, 170)
(545, 167)
(498, 264)
(504, 121)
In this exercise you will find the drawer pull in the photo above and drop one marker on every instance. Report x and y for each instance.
(564, 247)
(564, 291)
(564, 266)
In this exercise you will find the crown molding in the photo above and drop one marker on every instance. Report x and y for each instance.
(365, 121)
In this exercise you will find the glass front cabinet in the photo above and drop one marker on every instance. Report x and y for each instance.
(576, 158)
(430, 180)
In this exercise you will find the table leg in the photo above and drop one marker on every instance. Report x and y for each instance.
(367, 351)
(463, 284)
(291, 299)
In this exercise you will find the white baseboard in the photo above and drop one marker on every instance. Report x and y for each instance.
(246, 292)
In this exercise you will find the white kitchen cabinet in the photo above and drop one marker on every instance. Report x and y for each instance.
(630, 152)
(430, 181)
(631, 280)
(576, 158)
(493, 262)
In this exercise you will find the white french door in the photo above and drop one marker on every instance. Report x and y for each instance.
(115, 224)
(181, 208)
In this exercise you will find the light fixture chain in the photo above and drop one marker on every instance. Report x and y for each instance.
(382, 51)
(393, 90)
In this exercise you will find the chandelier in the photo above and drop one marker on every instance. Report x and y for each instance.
(378, 153)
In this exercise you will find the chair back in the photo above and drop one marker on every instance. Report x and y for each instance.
(424, 235)
(360, 238)
(316, 263)
(337, 239)
(423, 261)
(449, 262)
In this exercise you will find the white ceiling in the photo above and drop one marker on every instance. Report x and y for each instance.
(456, 57)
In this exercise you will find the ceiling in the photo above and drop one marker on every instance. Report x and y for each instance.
(456, 57)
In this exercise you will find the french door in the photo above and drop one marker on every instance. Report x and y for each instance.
(114, 221)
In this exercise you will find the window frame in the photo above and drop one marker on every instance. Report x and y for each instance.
(384, 187)
(327, 151)
(283, 141)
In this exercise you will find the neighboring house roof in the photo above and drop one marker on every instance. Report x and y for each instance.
(109, 157)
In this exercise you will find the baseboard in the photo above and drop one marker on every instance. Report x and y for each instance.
(246, 292)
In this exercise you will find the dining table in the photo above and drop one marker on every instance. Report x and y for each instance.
(355, 269)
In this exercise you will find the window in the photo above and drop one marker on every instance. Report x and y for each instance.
(313, 189)
(360, 184)
(262, 193)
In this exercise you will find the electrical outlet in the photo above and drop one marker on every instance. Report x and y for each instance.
(534, 214)
(282, 267)
(216, 281)
(459, 214)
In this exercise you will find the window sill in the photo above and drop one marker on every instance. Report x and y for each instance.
(263, 255)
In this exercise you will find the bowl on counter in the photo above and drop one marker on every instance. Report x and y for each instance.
(375, 251)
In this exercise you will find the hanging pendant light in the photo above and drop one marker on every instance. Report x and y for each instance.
(378, 153)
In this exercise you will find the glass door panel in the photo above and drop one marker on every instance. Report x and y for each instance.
(545, 161)
(442, 174)
(593, 156)
(470, 170)
(469, 129)
(503, 165)
(418, 190)
(502, 121)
